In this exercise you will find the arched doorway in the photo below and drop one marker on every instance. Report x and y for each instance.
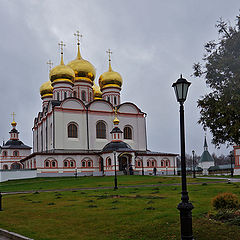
(125, 162)
(16, 166)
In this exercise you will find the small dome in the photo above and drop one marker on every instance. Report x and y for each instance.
(110, 79)
(82, 67)
(97, 94)
(46, 89)
(62, 73)
(13, 123)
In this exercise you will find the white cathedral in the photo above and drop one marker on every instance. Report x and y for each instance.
(85, 129)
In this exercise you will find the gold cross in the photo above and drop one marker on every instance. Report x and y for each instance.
(62, 45)
(78, 35)
(13, 114)
(50, 64)
(109, 54)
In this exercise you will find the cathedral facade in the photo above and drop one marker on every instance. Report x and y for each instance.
(85, 129)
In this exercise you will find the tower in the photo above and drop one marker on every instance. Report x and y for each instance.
(110, 83)
(206, 160)
(62, 78)
(84, 75)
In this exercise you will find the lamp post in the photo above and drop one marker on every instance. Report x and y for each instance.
(231, 157)
(193, 163)
(0, 201)
(142, 168)
(115, 171)
(185, 207)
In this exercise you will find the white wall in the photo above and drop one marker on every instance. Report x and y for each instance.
(17, 174)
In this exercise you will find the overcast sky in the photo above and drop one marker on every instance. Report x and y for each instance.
(153, 42)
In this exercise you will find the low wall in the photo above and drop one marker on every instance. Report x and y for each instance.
(6, 175)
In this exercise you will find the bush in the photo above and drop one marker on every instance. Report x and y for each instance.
(225, 201)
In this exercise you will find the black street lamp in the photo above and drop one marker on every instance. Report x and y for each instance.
(185, 207)
(231, 157)
(0, 201)
(115, 170)
(193, 163)
(142, 168)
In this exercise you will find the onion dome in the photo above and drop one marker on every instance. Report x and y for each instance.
(46, 90)
(62, 73)
(13, 123)
(82, 68)
(110, 78)
(97, 94)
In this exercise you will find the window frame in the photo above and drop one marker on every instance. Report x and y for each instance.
(128, 132)
(101, 132)
(72, 133)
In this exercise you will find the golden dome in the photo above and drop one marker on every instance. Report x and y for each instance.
(62, 73)
(110, 79)
(97, 94)
(46, 89)
(116, 121)
(82, 68)
(13, 123)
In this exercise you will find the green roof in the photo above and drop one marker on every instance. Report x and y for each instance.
(206, 157)
(221, 167)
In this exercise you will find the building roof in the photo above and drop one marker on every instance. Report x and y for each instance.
(221, 167)
(206, 157)
(15, 144)
(117, 145)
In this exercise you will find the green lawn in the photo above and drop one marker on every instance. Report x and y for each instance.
(128, 213)
(85, 182)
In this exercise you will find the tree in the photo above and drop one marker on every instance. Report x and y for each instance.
(220, 109)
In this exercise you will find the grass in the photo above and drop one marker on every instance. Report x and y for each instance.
(127, 213)
(86, 182)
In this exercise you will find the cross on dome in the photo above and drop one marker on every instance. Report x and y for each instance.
(109, 59)
(78, 35)
(50, 64)
(109, 54)
(13, 123)
(61, 45)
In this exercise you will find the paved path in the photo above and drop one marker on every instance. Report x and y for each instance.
(224, 180)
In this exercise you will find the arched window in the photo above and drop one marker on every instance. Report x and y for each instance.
(72, 164)
(72, 130)
(138, 163)
(162, 163)
(75, 94)
(54, 164)
(89, 163)
(108, 99)
(109, 162)
(16, 153)
(115, 100)
(65, 95)
(101, 130)
(4, 154)
(83, 95)
(83, 164)
(58, 96)
(127, 132)
(153, 163)
(5, 167)
(148, 164)
(47, 164)
(65, 163)
(167, 163)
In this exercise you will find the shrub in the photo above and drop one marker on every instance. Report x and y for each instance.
(225, 201)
